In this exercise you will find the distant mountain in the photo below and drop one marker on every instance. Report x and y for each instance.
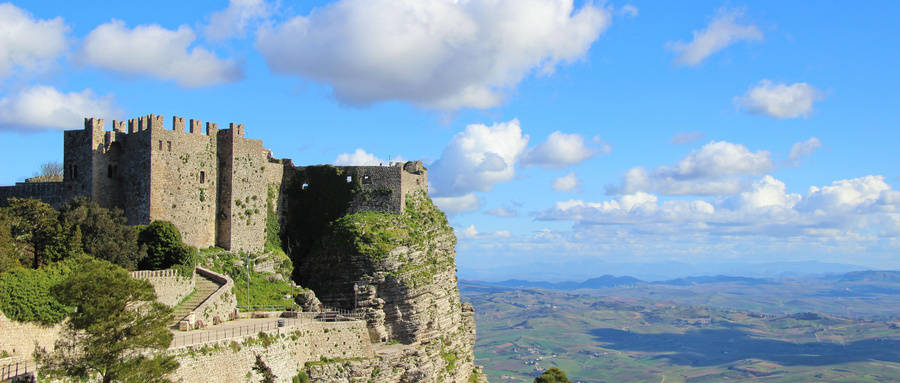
(871, 276)
(593, 283)
(714, 279)
(582, 268)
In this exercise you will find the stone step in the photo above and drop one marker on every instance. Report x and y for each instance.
(204, 288)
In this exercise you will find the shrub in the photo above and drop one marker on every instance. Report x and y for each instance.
(161, 241)
(25, 293)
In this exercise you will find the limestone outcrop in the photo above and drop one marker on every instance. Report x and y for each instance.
(400, 270)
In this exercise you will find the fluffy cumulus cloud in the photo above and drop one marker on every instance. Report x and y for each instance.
(436, 53)
(567, 183)
(361, 157)
(26, 42)
(722, 31)
(477, 159)
(803, 149)
(562, 150)
(151, 50)
(457, 204)
(853, 207)
(44, 107)
(717, 168)
(235, 19)
(779, 100)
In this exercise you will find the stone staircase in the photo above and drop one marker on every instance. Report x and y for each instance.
(204, 288)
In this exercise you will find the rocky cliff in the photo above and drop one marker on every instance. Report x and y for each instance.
(400, 270)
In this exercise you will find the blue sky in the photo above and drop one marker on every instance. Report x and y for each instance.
(556, 134)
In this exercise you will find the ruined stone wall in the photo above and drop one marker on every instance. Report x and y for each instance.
(286, 354)
(170, 287)
(183, 178)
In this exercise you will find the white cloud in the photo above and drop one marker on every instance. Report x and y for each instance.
(477, 159)
(717, 168)
(803, 149)
(234, 20)
(27, 42)
(437, 54)
(468, 232)
(360, 157)
(851, 208)
(561, 150)
(502, 234)
(567, 183)
(502, 212)
(43, 107)
(151, 50)
(721, 32)
(780, 100)
(685, 138)
(459, 204)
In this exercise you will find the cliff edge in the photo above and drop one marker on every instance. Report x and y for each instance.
(400, 270)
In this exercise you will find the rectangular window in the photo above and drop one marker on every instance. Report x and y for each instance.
(75, 171)
(349, 179)
(109, 171)
(202, 176)
(160, 144)
(170, 145)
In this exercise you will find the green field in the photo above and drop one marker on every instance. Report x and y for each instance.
(600, 338)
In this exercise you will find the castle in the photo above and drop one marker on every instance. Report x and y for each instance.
(215, 185)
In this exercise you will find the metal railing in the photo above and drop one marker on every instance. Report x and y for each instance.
(17, 372)
(299, 320)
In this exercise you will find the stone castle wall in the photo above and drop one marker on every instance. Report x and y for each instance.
(170, 287)
(286, 355)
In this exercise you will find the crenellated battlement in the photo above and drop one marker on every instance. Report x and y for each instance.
(155, 122)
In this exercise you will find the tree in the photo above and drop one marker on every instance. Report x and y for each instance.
(552, 375)
(50, 172)
(162, 242)
(117, 331)
(37, 226)
(105, 233)
(9, 252)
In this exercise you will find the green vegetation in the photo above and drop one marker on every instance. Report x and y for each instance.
(9, 253)
(104, 232)
(374, 235)
(552, 375)
(25, 293)
(38, 232)
(265, 288)
(117, 331)
(301, 377)
(161, 241)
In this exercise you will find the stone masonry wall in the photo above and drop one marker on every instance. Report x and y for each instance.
(183, 174)
(170, 287)
(286, 355)
(18, 338)
(248, 189)
(49, 192)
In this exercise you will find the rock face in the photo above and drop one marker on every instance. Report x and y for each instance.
(400, 270)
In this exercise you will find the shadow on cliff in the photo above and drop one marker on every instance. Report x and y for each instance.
(718, 346)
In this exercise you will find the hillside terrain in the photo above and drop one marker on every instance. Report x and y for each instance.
(717, 330)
